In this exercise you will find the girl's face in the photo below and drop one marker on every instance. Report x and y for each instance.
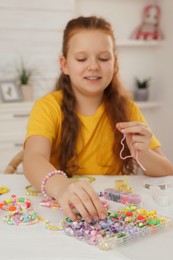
(90, 62)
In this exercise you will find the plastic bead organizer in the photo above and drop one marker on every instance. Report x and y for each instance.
(128, 198)
(119, 227)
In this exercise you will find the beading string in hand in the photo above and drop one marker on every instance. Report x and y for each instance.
(132, 155)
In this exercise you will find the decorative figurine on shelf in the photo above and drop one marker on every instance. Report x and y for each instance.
(149, 28)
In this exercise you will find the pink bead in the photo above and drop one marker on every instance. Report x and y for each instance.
(93, 233)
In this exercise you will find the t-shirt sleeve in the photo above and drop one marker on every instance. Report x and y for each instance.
(136, 115)
(44, 119)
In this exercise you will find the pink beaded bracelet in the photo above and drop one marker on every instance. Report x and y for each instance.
(44, 181)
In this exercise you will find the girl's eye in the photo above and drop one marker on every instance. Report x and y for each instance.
(81, 60)
(103, 59)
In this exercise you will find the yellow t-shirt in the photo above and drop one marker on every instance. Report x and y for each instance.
(94, 145)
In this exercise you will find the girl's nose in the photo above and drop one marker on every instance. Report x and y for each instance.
(93, 65)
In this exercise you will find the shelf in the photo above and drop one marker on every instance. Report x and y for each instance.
(139, 43)
(28, 105)
(15, 106)
(149, 104)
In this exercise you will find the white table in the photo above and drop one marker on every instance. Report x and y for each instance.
(35, 242)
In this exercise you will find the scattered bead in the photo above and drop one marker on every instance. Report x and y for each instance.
(3, 190)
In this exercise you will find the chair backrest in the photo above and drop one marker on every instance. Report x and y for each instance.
(14, 163)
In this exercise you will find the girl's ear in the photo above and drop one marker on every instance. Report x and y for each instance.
(115, 64)
(63, 65)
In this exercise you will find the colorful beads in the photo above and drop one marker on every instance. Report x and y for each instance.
(122, 197)
(22, 218)
(50, 204)
(20, 210)
(14, 203)
(50, 226)
(119, 226)
(44, 181)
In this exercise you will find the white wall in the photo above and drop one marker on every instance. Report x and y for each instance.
(154, 62)
(161, 119)
(125, 16)
(32, 30)
(164, 61)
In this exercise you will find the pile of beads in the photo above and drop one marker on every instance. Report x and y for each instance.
(21, 211)
(120, 226)
(15, 204)
(122, 197)
(55, 205)
(21, 218)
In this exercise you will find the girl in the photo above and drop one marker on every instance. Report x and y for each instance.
(78, 128)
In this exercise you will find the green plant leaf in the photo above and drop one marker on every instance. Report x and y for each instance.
(24, 74)
(142, 84)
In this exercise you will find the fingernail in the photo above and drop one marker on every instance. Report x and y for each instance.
(95, 217)
(103, 216)
(88, 220)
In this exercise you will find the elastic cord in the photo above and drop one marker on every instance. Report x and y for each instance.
(132, 155)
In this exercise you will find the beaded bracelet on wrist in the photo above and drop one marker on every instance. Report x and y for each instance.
(44, 181)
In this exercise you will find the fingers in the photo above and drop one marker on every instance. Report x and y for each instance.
(67, 210)
(134, 127)
(138, 146)
(122, 125)
(97, 209)
(138, 135)
(140, 139)
(83, 204)
(85, 201)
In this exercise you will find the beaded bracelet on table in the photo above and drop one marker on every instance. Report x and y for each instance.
(3, 190)
(21, 218)
(31, 191)
(15, 204)
(21, 214)
(78, 177)
(48, 225)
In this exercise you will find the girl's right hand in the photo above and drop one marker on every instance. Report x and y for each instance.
(83, 197)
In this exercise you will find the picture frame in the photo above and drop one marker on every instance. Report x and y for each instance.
(9, 91)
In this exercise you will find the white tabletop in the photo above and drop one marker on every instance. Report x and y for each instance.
(35, 242)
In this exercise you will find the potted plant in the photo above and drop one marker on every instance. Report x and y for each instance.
(24, 76)
(142, 89)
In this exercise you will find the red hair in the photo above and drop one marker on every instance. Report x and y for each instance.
(115, 99)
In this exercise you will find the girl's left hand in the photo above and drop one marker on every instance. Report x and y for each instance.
(138, 136)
